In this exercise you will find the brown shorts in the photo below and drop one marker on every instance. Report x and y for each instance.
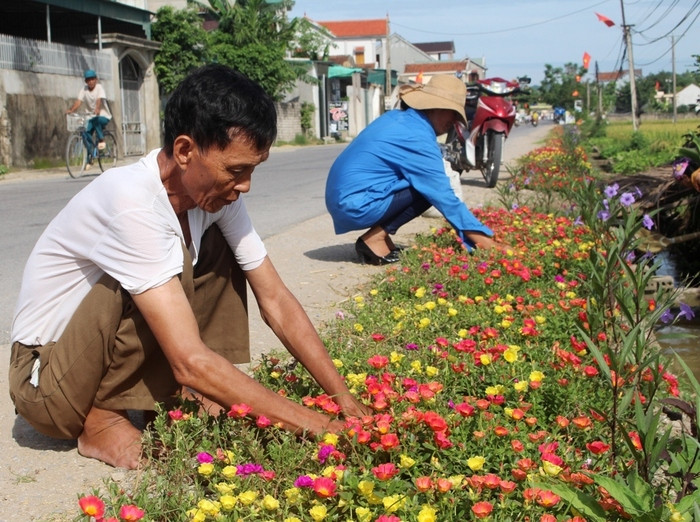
(108, 357)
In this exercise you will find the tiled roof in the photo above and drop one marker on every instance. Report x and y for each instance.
(433, 67)
(616, 75)
(357, 28)
(436, 47)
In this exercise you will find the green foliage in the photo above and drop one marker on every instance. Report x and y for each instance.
(184, 44)
(559, 83)
(307, 114)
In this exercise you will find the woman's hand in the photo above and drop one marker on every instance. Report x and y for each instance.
(482, 241)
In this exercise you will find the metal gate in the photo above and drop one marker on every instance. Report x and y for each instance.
(133, 128)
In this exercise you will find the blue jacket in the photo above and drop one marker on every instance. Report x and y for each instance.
(397, 150)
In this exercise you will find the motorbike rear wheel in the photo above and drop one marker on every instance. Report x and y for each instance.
(492, 165)
(452, 150)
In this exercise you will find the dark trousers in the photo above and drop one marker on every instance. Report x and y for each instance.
(108, 357)
(406, 205)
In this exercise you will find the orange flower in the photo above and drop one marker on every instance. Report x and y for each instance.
(517, 445)
(482, 509)
(582, 422)
(389, 441)
(491, 481)
(636, 440)
(507, 486)
(131, 513)
(324, 487)
(547, 499)
(92, 506)
(424, 484)
(563, 422)
(500, 431)
(444, 485)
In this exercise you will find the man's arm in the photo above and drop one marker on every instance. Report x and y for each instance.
(284, 314)
(169, 315)
(74, 107)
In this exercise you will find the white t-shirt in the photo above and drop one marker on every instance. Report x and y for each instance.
(90, 97)
(121, 224)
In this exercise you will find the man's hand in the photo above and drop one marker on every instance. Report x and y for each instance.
(482, 241)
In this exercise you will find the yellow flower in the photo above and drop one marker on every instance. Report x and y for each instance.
(392, 503)
(358, 327)
(374, 291)
(275, 375)
(229, 472)
(430, 305)
(551, 469)
(329, 471)
(452, 312)
(359, 299)
(423, 322)
(292, 519)
(205, 469)
(506, 323)
(418, 307)
(536, 376)
(427, 514)
(224, 488)
(196, 515)
(363, 514)
(520, 386)
(399, 313)
(248, 497)
(331, 438)
(366, 487)
(485, 359)
(478, 299)
(560, 285)
(406, 462)
(456, 480)
(337, 363)
(416, 366)
(228, 502)
(462, 333)
(498, 389)
(476, 463)
(442, 301)
(420, 292)
(431, 371)
(570, 294)
(510, 355)
(356, 379)
(208, 507)
(498, 309)
(540, 319)
(270, 503)
(292, 495)
(396, 357)
(318, 512)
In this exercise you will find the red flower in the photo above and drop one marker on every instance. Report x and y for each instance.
(385, 471)
(92, 506)
(517, 445)
(482, 509)
(424, 484)
(464, 409)
(590, 371)
(389, 441)
(378, 361)
(377, 337)
(444, 485)
(131, 513)
(238, 411)
(597, 447)
(324, 487)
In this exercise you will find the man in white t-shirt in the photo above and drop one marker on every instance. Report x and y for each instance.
(95, 100)
(136, 290)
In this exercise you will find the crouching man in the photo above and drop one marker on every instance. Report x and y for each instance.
(136, 290)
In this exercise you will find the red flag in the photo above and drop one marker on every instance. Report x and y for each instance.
(586, 60)
(657, 86)
(574, 94)
(419, 78)
(605, 20)
(578, 78)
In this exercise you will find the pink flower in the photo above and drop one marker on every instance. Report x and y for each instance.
(92, 506)
(385, 471)
(482, 509)
(204, 457)
(262, 422)
(176, 415)
(324, 487)
(378, 361)
(131, 513)
(238, 411)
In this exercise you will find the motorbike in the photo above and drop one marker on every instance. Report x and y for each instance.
(490, 115)
(559, 114)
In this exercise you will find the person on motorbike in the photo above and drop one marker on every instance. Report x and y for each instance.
(393, 172)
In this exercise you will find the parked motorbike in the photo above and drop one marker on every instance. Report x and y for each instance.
(490, 116)
(559, 114)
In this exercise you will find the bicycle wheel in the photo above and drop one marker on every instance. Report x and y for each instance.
(107, 157)
(76, 156)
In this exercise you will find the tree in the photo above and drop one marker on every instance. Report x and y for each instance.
(560, 84)
(184, 45)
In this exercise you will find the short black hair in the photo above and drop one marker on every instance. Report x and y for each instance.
(216, 103)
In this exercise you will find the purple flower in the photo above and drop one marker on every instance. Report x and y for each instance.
(340, 315)
(666, 317)
(626, 199)
(578, 221)
(630, 257)
(425, 266)
(679, 166)
(603, 215)
(647, 222)
(611, 190)
(559, 278)
(514, 206)
(204, 457)
(411, 346)
(686, 312)
(324, 452)
(304, 481)
(248, 469)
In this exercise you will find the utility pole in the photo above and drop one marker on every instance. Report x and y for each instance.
(673, 68)
(387, 94)
(630, 58)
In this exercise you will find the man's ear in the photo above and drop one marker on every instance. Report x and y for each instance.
(183, 149)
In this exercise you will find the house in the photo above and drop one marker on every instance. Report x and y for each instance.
(437, 50)
(364, 40)
(45, 46)
(468, 69)
(689, 96)
(621, 75)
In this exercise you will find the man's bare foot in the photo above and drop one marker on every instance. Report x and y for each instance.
(110, 437)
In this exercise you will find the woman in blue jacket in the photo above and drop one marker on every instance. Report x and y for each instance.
(393, 172)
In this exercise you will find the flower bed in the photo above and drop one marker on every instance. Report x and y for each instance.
(517, 385)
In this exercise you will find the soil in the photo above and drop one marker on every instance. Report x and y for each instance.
(41, 478)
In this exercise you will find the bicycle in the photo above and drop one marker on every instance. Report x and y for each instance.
(77, 160)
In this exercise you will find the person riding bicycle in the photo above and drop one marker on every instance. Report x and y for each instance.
(93, 94)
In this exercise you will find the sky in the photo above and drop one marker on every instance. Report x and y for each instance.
(518, 37)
